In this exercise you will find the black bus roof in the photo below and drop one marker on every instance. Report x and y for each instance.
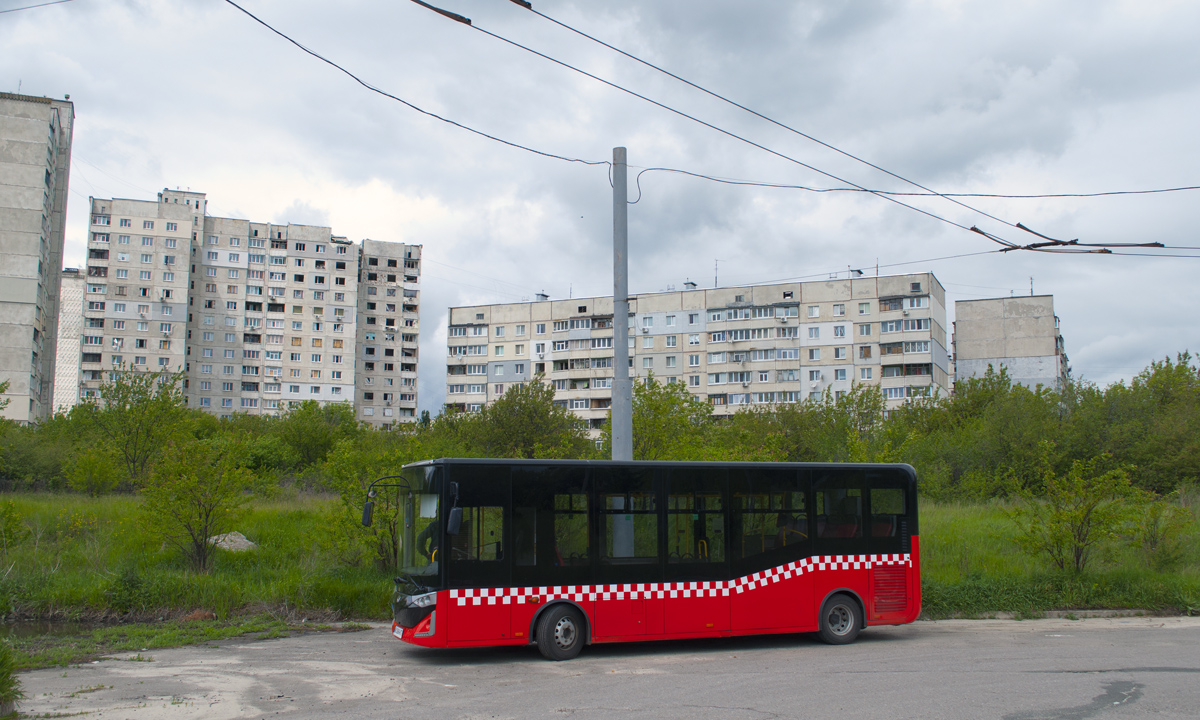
(658, 463)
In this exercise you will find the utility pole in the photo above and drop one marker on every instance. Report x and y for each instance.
(622, 390)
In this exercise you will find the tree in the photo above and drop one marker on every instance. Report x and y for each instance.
(669, 423)
(138, 412)
(351, 468)
(93, 472)
(1080, 510)
(524, 422)
(312, 430)
(197, 490)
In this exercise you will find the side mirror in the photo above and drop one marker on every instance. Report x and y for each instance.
(368, 512)
(454, 521)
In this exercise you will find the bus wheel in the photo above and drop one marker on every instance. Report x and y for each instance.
(560, 633)
(839, 621)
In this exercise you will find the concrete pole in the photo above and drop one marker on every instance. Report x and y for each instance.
(622, 390)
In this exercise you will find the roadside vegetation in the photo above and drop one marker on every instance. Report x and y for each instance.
(1031, 500)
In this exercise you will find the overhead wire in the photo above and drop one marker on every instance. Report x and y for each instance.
(31, 7)
(408, 104)
(528, 6)
(1006, 244)
(466, 21)
(789, 186)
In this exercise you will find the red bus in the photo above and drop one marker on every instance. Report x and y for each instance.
(561, 553)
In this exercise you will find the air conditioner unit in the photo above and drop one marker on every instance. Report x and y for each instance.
(813, 384)
(781, 319)
(745, 383)
(142, 314)
(904, 312)
(645, 329)
(541, 356)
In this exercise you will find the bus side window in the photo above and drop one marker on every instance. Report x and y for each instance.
(481, 535)
(571, 529)
(769, 519)
(887, 509)
(628, 515)
(695, 516)
(839, 513)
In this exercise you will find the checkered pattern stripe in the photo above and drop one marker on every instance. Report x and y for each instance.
(646, 591)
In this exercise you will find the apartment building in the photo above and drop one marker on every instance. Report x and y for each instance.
(388, 328)
(733, 346)
(1017, 333)
(70, 336)
(35, 164)
(257, 315)
(135, 303)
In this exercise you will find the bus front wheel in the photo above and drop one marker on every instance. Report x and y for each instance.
(840, 620)
(560, 633)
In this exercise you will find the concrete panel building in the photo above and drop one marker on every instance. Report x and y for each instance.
(731, 346)
(35, 163)
(1017, 333)
(258, 316)
(386, 352)
(70, 335)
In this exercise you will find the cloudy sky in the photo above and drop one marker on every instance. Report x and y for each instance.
(966, 97)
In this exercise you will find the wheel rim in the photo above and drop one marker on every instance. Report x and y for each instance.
(840, 620)
(565, 632)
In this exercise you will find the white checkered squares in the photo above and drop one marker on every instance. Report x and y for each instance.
(697, 589)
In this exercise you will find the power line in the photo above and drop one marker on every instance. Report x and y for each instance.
(31, 7)
(788, 186)
(771, 120)
(468, 23)
(406, 103)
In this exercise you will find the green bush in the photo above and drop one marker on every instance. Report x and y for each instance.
(10, 682)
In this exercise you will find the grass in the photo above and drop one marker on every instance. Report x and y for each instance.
(971, 566)
(85, 558)
(69, 557)
(41, 651)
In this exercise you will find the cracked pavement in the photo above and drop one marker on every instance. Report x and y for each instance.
(1016, 670)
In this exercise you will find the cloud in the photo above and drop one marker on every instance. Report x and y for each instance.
(972, 96)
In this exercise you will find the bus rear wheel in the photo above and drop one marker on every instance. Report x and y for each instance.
(840, 620)
(560, 633)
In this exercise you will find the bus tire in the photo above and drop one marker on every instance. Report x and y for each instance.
(560, 632)
(840, 620)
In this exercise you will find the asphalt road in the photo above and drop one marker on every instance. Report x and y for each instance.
(1015, 670)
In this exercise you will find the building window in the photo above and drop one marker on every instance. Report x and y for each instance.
(814, 353)
(814, 311)
(865, 373)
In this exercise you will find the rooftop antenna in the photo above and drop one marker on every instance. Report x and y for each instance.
(1030, 286)
(715, 262)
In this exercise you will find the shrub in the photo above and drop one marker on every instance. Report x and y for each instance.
(1079, 511)
(10, 683)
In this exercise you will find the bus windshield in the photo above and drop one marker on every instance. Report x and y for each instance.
(419, 530)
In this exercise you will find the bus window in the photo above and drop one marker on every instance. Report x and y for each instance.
(887, 510)
(570, 529)
(839, 513)
(696, 523)
(838, 498)
(481, 534)
(627, 510)
(478, 555)
(769, 525)
(890, 525)
(550, 525)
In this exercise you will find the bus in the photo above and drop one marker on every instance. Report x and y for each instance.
(564, 553)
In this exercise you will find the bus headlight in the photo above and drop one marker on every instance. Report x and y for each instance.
(422, 601)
